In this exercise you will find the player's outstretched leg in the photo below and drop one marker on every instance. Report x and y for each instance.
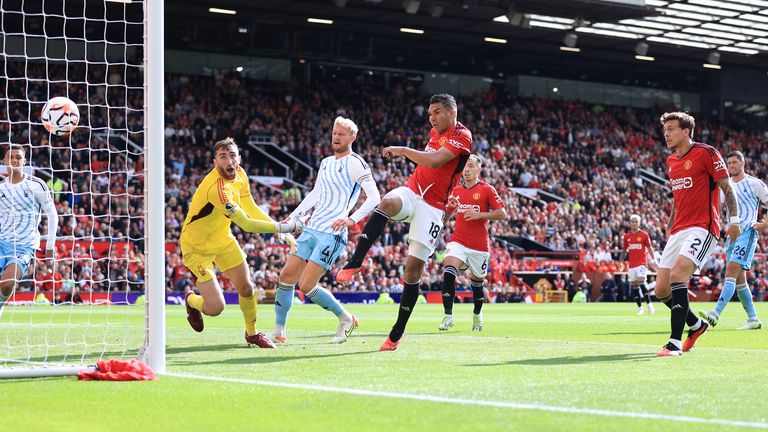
(407, 303)
(449, 293)
(283, 303)
(371, 232)
(479, 298)
(745, 296)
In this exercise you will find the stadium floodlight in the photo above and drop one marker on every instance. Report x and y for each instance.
(411, 30)
(222, 11)
(45, 333)
(411, 6)
(319, 21)
(495, 40)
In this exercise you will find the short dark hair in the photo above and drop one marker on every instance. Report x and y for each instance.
(735, 153)
(12, 147)
(686, 120)
(445, 99)
(226, 142)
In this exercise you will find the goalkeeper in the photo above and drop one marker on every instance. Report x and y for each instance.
(207, 242)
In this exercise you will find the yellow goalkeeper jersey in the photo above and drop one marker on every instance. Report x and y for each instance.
(207, 225)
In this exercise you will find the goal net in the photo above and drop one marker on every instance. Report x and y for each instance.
(87, 303)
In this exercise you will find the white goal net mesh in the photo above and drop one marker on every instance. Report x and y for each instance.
(80, 307)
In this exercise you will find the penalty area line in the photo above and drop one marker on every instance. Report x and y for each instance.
(494, 404)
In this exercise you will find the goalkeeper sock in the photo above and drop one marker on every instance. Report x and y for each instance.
(325, 300)
(248, 307)
(283, 302)
(371, 232)
(196, 301)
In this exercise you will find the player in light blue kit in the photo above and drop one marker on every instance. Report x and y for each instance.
(22, 197)
(750, 192)
(337, 188)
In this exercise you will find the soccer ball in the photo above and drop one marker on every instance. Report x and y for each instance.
(60, 116)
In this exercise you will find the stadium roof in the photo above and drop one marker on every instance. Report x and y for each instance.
(471, 36)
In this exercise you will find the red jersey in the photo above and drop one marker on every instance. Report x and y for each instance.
(481, 197)
(435, 184)
(693, 178)
(638, 245)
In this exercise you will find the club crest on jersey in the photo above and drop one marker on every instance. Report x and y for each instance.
(476, 196)
(688, 164)
(638, 239)
(443, 141)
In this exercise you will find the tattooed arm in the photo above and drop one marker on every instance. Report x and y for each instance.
(733, 229)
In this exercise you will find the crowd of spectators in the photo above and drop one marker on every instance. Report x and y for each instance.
(592, 161)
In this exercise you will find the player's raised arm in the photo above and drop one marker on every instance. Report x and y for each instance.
(428, 159)
(218, 195)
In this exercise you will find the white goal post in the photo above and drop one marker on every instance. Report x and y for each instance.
(106, 179)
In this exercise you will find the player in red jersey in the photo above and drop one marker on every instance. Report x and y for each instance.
(695, 170)
(637, 245)
(420, 203)
(475, 202)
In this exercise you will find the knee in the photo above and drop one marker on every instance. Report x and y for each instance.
(677, 275)
(412, 276)
(388, 206)
(214, 309)
(305, 288)
(6, 287)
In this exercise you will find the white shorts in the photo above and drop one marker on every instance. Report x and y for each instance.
(426, 222)
(639, 272)
(693, 243)
(477, 261)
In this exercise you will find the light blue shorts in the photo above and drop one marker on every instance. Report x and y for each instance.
(11, 254)
(742, 251)
(321, 248)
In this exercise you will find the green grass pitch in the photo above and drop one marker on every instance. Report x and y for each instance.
(534, 367)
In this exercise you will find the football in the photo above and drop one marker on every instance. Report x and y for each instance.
(60, 116)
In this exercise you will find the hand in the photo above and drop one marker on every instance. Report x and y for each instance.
(760, 227)
(339, 224)
(289, 240)
(472, 215)
(393, 151)
(733, 232)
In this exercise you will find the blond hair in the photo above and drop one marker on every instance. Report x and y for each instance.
(347, 123)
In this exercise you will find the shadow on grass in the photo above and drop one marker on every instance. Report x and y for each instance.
(572, 360)
(260, 356)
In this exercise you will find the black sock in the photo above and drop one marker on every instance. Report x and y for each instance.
(679, 310)
(371, 232)
(478, 296)
(449, 288)
(645, 294)
(407, 302)
(638, 294)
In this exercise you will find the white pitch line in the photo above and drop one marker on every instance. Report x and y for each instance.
(495, 404)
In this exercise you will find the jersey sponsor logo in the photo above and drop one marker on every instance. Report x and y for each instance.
(688, 164)
(455, 143)
(681, 183)
(463, 208)
(476, 196)
(635, 246)
(430, 150)
(719, 165)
